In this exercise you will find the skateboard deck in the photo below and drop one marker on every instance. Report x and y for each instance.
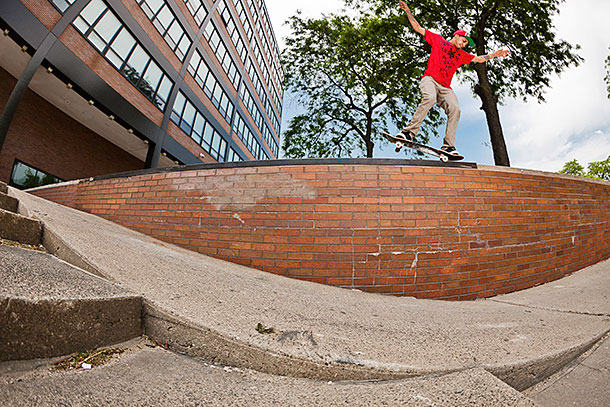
(400, 142)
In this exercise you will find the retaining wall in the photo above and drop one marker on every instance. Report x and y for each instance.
(385, 226)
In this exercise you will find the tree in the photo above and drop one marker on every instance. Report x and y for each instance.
(599, 169)
(352, 75)
(573, 168)
(524, 27)
(596, 169)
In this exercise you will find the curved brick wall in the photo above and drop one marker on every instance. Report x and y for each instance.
(378, 225)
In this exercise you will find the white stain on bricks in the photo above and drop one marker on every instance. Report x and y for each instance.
(236, 216)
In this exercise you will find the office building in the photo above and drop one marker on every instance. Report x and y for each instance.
(92, 87)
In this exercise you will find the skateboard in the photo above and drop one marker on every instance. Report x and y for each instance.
(400, 142)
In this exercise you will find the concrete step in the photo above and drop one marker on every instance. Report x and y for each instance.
(156, 377)
(3, 188)
(50, 308)
(8, 203)
(20, 228)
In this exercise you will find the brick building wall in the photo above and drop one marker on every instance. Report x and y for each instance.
(428, 232)
(44, 137)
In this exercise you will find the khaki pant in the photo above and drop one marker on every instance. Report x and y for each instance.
(435, 93)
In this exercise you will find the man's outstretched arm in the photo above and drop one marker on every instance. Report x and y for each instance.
(412, 19)
(485, 58)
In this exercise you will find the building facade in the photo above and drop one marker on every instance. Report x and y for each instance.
(91, 87)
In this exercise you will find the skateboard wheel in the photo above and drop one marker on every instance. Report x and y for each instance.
(444, 159)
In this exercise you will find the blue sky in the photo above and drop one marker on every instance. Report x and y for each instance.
(574, 123)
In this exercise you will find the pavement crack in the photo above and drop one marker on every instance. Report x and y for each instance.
(592, 314)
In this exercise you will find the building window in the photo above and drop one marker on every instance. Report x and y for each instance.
(104, 30)
(25, 176)
(197, 9)
(245, 134)
(233, 156)
(190, 120)
(62, 5)
(220, 51)
(227, 19)
(168, 26)
(200, 71)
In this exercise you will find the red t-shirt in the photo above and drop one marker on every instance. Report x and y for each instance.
(445, 59)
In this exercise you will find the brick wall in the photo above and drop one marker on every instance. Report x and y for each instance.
(46, 138)
(428, 232)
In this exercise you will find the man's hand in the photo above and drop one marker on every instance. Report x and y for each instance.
(485, 58)
(418, 28)
(501, 53)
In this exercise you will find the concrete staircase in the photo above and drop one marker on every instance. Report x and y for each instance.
(14, 226)
(49, 307)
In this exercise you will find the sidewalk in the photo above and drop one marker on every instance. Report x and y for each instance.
(210, 308)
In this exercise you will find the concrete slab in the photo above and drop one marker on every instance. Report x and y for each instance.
(584, 292)
(586, 382)
(157, 377)
(211, 308)
(19, 228)
(8, 203)
(48, 307)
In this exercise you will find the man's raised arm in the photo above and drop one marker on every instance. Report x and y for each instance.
(485, 58)
(412, 19)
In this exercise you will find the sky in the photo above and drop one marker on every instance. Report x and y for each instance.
(574, 123)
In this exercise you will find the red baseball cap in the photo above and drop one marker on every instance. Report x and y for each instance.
(466, 35)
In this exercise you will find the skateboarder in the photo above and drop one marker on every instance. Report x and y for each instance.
(446, 57)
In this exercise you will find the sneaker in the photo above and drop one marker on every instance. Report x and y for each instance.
(405, 135)
(452, 152)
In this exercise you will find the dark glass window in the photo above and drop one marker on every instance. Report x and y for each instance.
(25, 176)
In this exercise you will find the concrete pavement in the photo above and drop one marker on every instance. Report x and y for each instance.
(156, 377)
(211, 308)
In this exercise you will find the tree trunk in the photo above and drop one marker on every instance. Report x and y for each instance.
(368, 136)
(490, 106)
(369, 148)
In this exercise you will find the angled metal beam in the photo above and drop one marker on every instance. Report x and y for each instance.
(28, 73)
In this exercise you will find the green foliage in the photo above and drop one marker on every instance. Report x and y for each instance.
(596, 169)
(599, 169)
(352, 76)
(524, 27)
(573, 168)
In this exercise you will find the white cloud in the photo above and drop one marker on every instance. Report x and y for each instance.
(575, 121)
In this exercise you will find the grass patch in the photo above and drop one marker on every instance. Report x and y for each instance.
(92, 357)
(261, 329)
